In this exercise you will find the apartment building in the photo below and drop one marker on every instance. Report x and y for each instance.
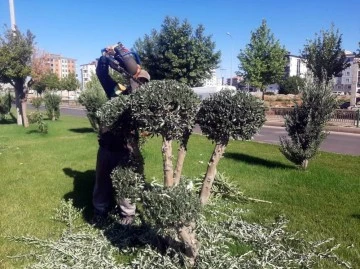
(295, 66)
(87, 70)
(349, 81)
(61, 66)
(212, 81)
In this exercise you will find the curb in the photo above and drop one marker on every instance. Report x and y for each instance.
(341, 129)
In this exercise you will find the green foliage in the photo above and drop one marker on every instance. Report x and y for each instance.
(5, 105)
(166, 108)
(51, 81)
(77, 247)
(176, 52)
(263, 60)
(16, 50)
(39, 86)
(266, 246)
(229, 114)
(171, 207)
(306, 122)
(69, 83)
(52, 105)
(92, 98)
(36, 102)
(115, 114)
(127, 183)
(291, 85)
(324, 56)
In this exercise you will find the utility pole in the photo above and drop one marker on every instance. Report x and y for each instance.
(231, 74)
(12, 15)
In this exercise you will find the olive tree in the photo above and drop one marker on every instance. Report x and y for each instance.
(16, 50)
(305, 124)
(167, 108)
(226, 115)
(92, 98)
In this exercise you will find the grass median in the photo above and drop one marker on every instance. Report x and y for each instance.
(38, 170)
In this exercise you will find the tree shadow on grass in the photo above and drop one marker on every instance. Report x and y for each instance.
(12, 119)
(256, 160)
(82, 130)
(82, 191)
(355, 216)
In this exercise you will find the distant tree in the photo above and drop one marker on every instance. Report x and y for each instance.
(178, 53)
(263, 60)
(39, 65)
(324, 55)
(291, 85)
(39, 86)
(16, 50)
(51, 81)
(305, 124)
(70, 83)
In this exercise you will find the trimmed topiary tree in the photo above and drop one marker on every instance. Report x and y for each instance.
(167, 108)
(305, 124)
(226, 115)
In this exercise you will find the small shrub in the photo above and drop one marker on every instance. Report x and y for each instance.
(92, 99)
(5, 105)
(36, 102)
(306, 122)
(52, 104)
(37, 117)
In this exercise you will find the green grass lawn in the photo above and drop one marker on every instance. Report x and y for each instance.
(37, 171)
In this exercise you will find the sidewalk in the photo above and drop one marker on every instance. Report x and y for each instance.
(343, 127)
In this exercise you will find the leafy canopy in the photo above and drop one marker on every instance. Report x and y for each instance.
(167, 108)
(16, 50)
(226, 115)
(291, 85)
(179, 53)
(263, 60)
(324, 56)
(69, 83)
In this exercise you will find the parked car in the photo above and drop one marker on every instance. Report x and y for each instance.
(347, 104)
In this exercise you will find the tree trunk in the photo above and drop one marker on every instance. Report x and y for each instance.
(179, 164)
(211, 172)
(167, 161)
(188, 237)
(181, 157)
(20, 101)
(304, 164)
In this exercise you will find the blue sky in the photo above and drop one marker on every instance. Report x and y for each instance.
(79, 29)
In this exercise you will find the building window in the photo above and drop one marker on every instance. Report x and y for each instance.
(298, 67)
(347, 80)
(348, 73)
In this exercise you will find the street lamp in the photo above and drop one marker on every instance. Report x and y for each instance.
(231, 57)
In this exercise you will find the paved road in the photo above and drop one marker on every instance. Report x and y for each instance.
(344, 143)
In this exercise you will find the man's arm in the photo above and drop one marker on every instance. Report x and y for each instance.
(102, 72)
